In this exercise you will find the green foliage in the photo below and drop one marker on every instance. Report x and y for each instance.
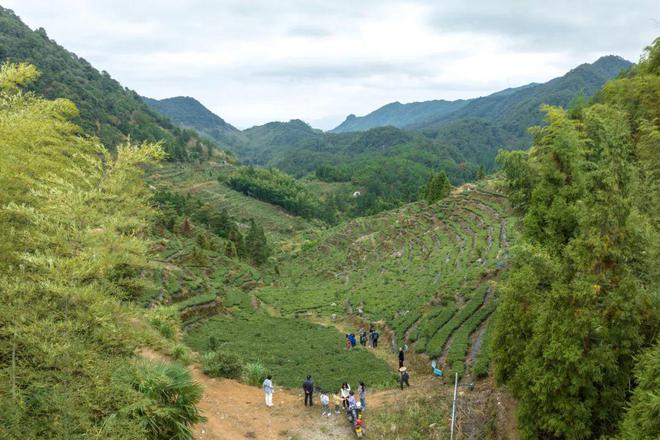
(256, 245)
(483, 361)
(72, 258)
(437, 188)
(290, 349)
(254, 373)
(107, 109)
(168, 396)
(439, 339)
(181, 353)
(582, 284)
(222, 363)
(461, 339)
(642, 420)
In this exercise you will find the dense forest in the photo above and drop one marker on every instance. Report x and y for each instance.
(583, 285)
(106, 109)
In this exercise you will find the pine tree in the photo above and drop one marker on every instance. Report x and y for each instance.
(437, 188)
(256, 244)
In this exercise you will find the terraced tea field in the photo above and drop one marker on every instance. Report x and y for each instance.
(202, 181)
(421, 271)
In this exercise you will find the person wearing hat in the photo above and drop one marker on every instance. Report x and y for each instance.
(405, 377)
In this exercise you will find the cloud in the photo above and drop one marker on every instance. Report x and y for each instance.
(252, 62)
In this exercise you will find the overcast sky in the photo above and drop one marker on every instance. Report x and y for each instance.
(257, 61)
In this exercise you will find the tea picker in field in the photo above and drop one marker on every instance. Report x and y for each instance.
(268, 391)
(405, 377)
(308, 389)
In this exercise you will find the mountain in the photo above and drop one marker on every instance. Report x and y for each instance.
(189, 113)
(514, 108)
(400, 115)
(517, 109)
(107, 109)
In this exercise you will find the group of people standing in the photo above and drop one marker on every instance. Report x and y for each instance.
(369, 339)
(342, 398)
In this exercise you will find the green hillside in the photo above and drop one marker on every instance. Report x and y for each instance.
(107, 110)
(187, 112)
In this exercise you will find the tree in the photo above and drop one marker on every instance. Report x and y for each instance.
(256, 244)
(73, 219)
(437, 188)
(581, 286)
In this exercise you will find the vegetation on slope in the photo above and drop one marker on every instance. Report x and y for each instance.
(583, 285)
(72, 257)
(106, 109)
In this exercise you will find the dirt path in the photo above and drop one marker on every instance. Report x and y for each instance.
(237, 411)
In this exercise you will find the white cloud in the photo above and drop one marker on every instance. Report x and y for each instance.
(252, 62)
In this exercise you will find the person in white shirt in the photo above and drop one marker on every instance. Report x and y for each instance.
(268, 391)
(344, 392)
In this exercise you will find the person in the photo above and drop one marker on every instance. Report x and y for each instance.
(351, 405)
(336, 398)
(363, 338)
(308, 388)
(325, 403)
(345, 393)
(401, 357)
(362, 390)
(351, 337)
(375, 337)
(268, 391)
(348, 342)
(404, 377)
(371, 336)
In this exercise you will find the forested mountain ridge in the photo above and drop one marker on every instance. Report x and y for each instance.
(508, 106)
(107, 110)
(189, 113)
(400, 115)
(519, 108)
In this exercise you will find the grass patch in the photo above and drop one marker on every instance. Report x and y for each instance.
(291, 349)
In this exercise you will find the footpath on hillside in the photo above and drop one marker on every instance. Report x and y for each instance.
(237, 411)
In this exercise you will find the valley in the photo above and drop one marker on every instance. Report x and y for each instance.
(158, 265)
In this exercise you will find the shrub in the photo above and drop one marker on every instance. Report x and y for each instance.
(254, 373)
(181, 353)
(167, 409)
(222, 364)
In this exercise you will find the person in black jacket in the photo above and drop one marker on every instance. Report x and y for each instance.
(308, 388)
(401, 357)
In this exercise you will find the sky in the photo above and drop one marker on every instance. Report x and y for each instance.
(252, 62)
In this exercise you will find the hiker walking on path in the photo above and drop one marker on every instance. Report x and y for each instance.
(325, 403)
(401, 357)
(351, 337)
(348, 342)
(268, 391)
(362, 390)
(308, 388)
(405, 377)
(363, 337)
